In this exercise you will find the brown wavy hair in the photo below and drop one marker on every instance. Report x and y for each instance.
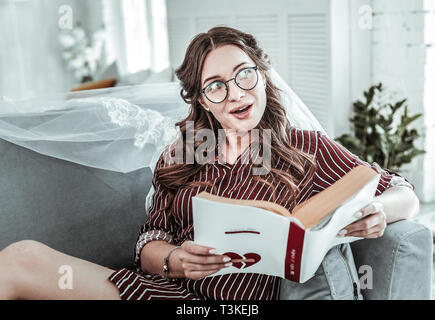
(177, 175)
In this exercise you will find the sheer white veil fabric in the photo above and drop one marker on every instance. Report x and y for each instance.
(121, 129)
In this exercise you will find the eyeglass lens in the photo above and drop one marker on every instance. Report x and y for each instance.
(245, 79)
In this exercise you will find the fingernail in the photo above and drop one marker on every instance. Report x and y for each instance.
(213, 251)
(226, 259)
(342, 232)
(228, 264)
(358, 214)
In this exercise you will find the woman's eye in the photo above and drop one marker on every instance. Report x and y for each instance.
(244, 73)
(215, 86)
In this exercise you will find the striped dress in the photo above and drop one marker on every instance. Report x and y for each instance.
(233, 181)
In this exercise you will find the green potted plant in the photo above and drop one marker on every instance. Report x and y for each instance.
(378, 135)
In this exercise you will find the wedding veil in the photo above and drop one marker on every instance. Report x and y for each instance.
(120, 129)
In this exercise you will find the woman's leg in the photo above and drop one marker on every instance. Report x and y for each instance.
(32, 270)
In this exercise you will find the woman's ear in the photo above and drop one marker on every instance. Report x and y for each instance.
(263, 76)
(201, 102)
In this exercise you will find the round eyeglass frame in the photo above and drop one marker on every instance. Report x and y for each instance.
(226, 86)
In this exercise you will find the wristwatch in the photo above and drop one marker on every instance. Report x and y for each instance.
(166, 262)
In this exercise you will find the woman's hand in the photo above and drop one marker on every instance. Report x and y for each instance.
(371, 225)
(199, 261)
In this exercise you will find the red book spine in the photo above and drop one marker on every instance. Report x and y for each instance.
(295, 244)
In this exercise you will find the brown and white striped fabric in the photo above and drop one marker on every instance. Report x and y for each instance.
(233, 181)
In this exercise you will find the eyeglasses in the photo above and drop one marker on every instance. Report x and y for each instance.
(245, 79)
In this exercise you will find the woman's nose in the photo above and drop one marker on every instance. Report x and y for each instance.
(234, 92)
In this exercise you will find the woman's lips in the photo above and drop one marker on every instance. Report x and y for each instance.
(244, 114)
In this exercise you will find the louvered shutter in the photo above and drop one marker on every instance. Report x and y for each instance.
(264, 28)
(203, 24)
(308, 63)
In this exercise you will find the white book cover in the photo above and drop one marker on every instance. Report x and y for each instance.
(279, 245)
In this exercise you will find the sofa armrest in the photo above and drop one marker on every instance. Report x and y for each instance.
(401, 262)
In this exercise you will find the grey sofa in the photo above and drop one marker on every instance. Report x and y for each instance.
(96, 214)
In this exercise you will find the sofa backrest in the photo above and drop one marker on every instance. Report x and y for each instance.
(88, 213)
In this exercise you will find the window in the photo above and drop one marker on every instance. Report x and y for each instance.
(137, 34)
(429, 40)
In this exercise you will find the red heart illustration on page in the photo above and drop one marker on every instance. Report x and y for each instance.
(239, 265)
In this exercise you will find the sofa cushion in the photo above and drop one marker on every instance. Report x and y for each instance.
(85, 212)
(335, 279)
(401, 262)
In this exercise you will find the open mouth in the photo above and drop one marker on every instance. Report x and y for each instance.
(242, 111)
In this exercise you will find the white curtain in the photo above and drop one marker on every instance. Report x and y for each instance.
(30, 57)
(137, 34)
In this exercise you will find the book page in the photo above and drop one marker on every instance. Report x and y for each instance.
(243, 231)
(319, 242)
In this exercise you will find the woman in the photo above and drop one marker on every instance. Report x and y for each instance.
(225, 79)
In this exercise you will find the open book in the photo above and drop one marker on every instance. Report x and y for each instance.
(286, 244)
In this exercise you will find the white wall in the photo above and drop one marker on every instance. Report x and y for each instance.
(341, 65)
(360, 48)
(429, 100)
(400, 61)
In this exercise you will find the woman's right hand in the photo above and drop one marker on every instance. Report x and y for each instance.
(200, 261)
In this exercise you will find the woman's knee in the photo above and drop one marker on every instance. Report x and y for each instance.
(16, 264)
(22, 253)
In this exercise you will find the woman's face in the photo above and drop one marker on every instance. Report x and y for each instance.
(222, 64)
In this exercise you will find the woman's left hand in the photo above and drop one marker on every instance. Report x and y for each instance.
(372, 222)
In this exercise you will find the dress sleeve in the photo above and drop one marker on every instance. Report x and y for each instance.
(334, 161)
(158, 226)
